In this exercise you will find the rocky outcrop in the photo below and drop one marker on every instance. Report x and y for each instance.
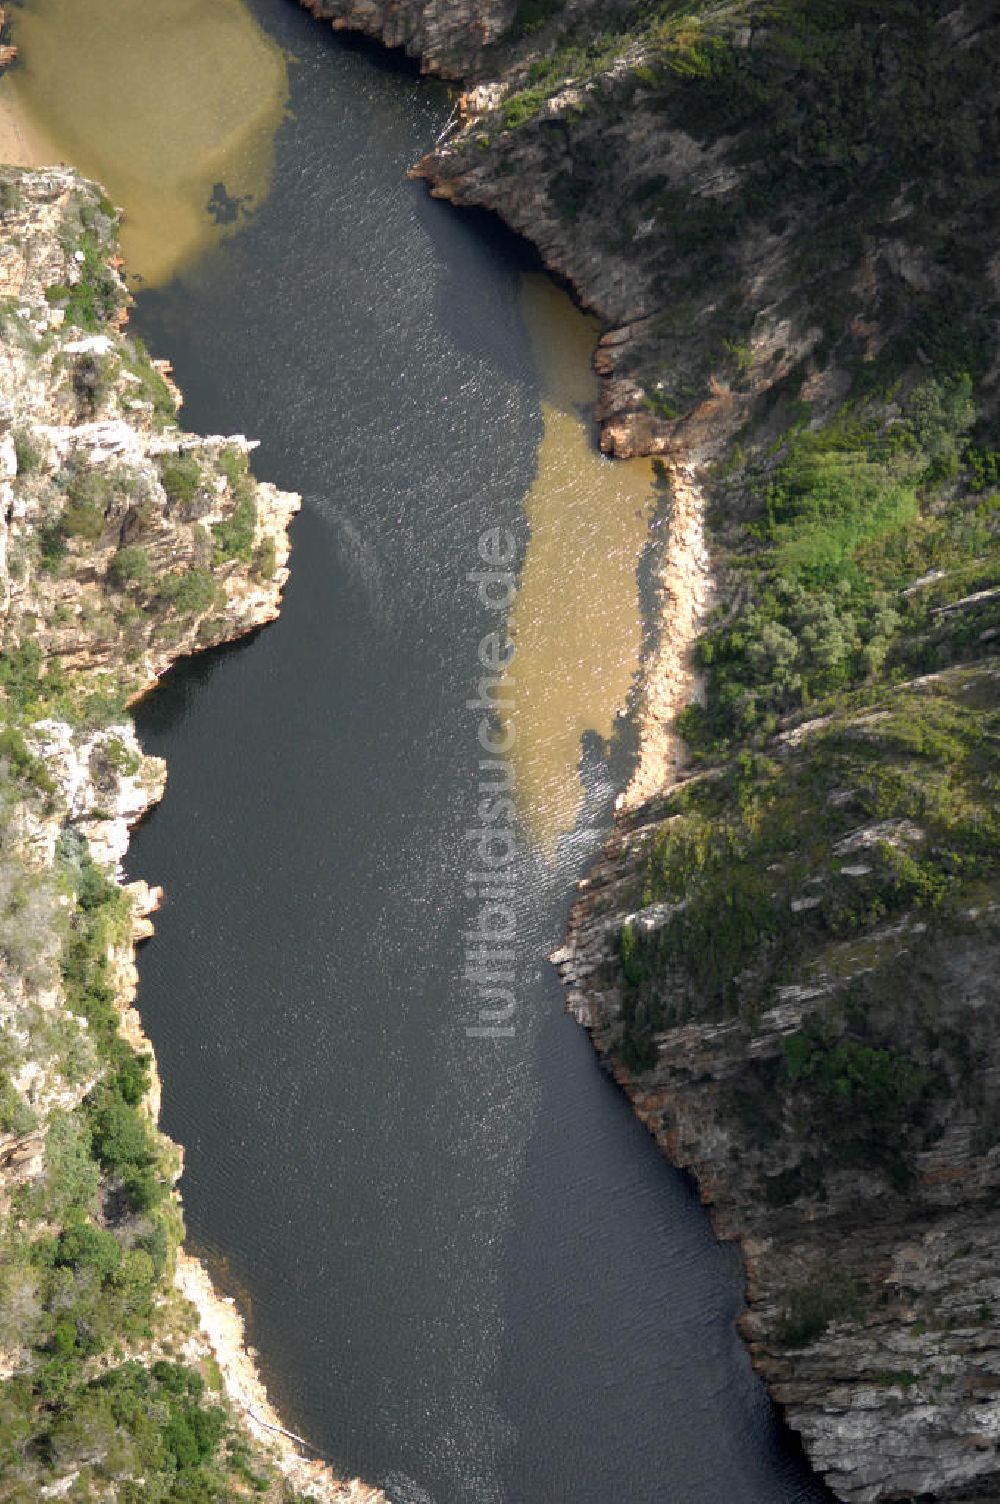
(125, 543)
(904, 1403)
(449, 37)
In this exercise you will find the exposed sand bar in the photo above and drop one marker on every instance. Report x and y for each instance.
(670, 679)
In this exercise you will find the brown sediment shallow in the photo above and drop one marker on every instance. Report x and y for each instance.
(161, 105)
(22, 142)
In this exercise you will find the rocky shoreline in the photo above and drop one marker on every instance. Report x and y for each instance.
(751, 283)
(125, 544)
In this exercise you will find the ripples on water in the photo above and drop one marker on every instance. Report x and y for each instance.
(468, 1270)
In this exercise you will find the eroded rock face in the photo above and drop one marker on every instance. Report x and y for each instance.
(448, 36)
(708, 246)
(872, 1285)
(127, 542)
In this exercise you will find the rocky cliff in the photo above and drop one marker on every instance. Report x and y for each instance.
(124, 544)
(449, 37)
(786, 216)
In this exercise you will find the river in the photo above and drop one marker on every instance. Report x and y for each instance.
(470, 1275)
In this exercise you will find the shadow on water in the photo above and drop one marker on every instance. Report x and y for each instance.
(464, 297)
(471, 1275)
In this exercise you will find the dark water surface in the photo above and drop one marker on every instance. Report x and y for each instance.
(469, 1272)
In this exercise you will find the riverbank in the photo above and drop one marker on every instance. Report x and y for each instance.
(125, 544)
(221, 1324)
(780, 957)
(22, 144)
(670, 680)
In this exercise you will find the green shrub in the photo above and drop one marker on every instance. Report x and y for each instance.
(71, 1175)
(628, 949)
(984, 465)
(51, 546)
(234, 537)
(153, 388)
(84, 1246)
(659, 403)
(191, 592)
(11, 197)
(531, 16)
(28, 451)
(16, 1116)
(233, 464)
(120, 1136)
(811, 1308)
(130, 566)
(23, 763)
(265, 560)
(861, 1100)
(92, 492)
(93, 381)
(181, 477)
(119, 757)
(82, 520)
(21, 676)
(940, 412)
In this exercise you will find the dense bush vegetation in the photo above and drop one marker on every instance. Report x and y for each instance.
(130, 566)
(849, 517)
(190, 591)
(83, 1256)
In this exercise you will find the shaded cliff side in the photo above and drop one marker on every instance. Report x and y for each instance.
(786, 215)
(124, 544)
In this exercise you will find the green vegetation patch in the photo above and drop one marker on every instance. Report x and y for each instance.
(233, 538)
(96, 298)
(191, 592)
(181, 477)
(152, 388)
(900, 795)
(846, 519)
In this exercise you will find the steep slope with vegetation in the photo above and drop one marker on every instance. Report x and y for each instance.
(786, 214)
(790, 958)
(124, 543)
